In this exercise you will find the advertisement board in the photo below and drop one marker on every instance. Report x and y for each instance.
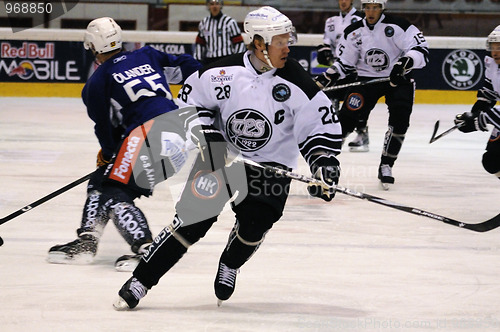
(65, 62)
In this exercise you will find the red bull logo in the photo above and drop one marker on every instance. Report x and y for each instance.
(25, 70)
(27, 51)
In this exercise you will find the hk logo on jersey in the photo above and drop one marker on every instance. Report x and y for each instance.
(206, 185)
(355, 101)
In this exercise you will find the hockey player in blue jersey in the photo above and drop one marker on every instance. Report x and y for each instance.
(127, 98)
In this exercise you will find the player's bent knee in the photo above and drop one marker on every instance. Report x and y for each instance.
(192, 233)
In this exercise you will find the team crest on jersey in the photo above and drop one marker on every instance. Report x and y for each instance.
(389, 31)
(462, 69)
(281, 92)
(248, 129)
(355, 101)
(206, 185)
(377, 59)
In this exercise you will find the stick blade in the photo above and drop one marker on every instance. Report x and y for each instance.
(433, 137)
(485, 226)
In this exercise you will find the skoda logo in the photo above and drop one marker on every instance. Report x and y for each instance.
(248, 129)
(462, 69)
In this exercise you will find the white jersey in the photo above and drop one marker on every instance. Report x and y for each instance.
(490, 92)
(269, 117)
(373, 51)
(335, 25)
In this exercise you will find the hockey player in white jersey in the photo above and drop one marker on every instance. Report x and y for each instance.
(266, 106)
(380, 45)
(334, 29)
(483, 112)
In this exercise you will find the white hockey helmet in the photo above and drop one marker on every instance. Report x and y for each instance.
(268, 22)
(380, 2)
(221, 2)
(103, 35)
(493, 37)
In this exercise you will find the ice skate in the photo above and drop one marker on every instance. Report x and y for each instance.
(130, 294)
(225, 282)
(361, 142)
(127, 263)
(385, 176)
(79, 251)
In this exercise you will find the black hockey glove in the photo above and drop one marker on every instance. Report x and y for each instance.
(212, 145)
(329, 77)
(327, 170)
(101, 159)
(325, 55)
(482, 106)
(401, 67)
(470, 122)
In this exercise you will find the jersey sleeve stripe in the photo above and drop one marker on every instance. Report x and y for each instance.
(324, 143)
(493, 116)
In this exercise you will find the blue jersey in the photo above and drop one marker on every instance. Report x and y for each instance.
(129, 89)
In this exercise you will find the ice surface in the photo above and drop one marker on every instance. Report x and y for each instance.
(347, 265)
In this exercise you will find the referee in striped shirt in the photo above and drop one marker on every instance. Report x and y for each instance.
(218, 35)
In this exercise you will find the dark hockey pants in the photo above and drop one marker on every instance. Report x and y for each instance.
(255, 213)
(361, 100)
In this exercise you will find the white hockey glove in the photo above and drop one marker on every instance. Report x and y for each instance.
(327, 170)
(401, 67)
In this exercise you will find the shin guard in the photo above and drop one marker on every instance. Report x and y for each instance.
(392, 145)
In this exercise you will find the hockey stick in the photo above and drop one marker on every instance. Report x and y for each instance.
(358, 83)
(446, 132)
(45, 198)
(484, 226)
